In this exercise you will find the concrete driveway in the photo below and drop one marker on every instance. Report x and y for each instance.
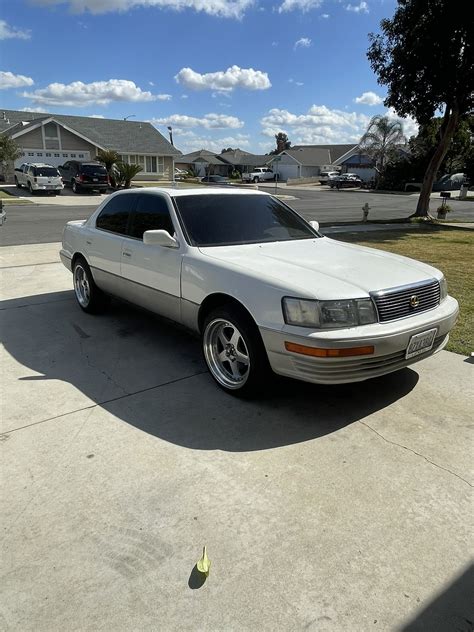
(323, 508)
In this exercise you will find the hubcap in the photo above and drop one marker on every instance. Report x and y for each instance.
(81, 286)
(226, 353)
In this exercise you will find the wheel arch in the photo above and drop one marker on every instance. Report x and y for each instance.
(219, 299)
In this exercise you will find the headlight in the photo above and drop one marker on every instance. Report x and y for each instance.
(443, 286)
(329, 314)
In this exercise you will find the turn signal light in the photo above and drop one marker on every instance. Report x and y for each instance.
(328, 353)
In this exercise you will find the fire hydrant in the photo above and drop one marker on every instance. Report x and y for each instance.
(365, 209)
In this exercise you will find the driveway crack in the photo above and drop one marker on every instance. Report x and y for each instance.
(404, 447)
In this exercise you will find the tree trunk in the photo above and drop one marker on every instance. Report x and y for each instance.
(448, 127)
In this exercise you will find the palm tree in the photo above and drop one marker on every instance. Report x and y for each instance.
(125, 173)
(381, 141)
(109, 157)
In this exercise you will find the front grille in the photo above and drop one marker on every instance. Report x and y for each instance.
(406, 301)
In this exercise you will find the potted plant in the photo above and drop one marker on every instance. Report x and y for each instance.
(442, 210)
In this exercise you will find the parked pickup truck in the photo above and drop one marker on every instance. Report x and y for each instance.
(39, 177)
(260, 174)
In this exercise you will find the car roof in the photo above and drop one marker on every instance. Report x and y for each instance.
(199, 191)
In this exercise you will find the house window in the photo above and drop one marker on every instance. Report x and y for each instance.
(73, 155)
(31, 153)
(80, 155)
(48, 155)
(39, 153)
(151, 164)
(65, 155)
(51, 136)
(56, 155)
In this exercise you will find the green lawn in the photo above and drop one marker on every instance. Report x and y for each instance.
(450, 250)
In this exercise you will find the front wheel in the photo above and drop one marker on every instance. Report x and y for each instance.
(30, 189)
(90, 298)
(256, 179)
(234, 351)
(17, 184)
(75, 187)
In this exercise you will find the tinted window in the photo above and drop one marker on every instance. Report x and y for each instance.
(151, 213)
(114, 216)
(47, 172)
(94, 170)
(219, 220)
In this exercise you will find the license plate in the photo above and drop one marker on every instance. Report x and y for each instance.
(420, 343)
(95, 179)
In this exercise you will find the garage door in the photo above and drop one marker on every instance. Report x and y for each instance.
(287, 171)
(54, 158)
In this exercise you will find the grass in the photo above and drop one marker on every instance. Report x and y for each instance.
(448, 250)
(7, 197)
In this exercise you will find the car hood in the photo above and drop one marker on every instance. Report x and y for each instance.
(323, 268)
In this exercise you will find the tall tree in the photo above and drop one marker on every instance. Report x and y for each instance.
(425, 57)
(282, 143)
(381, 141)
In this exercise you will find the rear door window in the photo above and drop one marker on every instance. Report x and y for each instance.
(151, 213)
(114, 217)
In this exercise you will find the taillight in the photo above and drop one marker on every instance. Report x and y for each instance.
(80, 177)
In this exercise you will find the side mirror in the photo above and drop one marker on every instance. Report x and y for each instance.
(159, 238)
(314, 224)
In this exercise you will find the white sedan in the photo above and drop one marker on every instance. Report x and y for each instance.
(264, 289)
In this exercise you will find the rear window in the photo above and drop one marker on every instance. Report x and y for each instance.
(45, 172)
(90, 170)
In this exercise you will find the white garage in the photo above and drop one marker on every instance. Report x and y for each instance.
(54, 158)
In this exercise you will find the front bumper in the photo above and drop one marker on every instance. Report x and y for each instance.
(390, 341)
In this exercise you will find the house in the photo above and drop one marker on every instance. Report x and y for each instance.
(202, 163)
(57, 138)
(243, 161)
(307, 161)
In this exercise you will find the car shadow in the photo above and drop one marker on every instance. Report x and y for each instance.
(149, 373)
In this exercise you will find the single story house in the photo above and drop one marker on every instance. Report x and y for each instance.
(56, 138)
(307, 161)
(243, 161)
(203, 163)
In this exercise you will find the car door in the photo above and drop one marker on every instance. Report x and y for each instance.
(103, 242)
(151, 274)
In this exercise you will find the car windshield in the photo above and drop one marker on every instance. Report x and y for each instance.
(46, 172)
(94, 170)
(225, 220)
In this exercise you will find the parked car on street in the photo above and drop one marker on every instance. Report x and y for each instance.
(260, 174)
(85, 176)
(39, 177)
(345, 180)
(450, 182)
(263, 288)
(215, 180)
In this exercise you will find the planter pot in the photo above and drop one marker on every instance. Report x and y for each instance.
(442, 214)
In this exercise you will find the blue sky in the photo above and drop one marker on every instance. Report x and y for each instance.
(221, 72)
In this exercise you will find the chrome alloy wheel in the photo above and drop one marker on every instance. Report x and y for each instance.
(81, 286)
(226, 353)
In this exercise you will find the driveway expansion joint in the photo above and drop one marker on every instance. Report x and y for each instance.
(404, 447)
(4, 436)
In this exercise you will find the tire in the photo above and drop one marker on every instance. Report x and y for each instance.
(234, 352)
(89, 297)
(256, 179)
(17, 184)
(75, 187)
(30, 189)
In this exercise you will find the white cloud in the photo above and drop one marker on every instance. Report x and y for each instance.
(216, 8)
(303, 42)
(101, 116)
(369, 98)
(362, 7)
(79, 94)
(163, 97)
(319, 125)
(296, 83)
(325, 16)
(150, 83)
(184, 96)
(188, 141)
(9, 80)
(301, 5)
(224, 80)
(208, 121)
(37, 110)
(12, 32)
(410, 126)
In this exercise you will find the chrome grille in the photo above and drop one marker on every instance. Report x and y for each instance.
(407, 300)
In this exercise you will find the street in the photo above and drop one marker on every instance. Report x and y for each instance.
(43, 223)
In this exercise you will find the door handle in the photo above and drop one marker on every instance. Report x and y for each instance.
(88, 242)
(126, 254)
